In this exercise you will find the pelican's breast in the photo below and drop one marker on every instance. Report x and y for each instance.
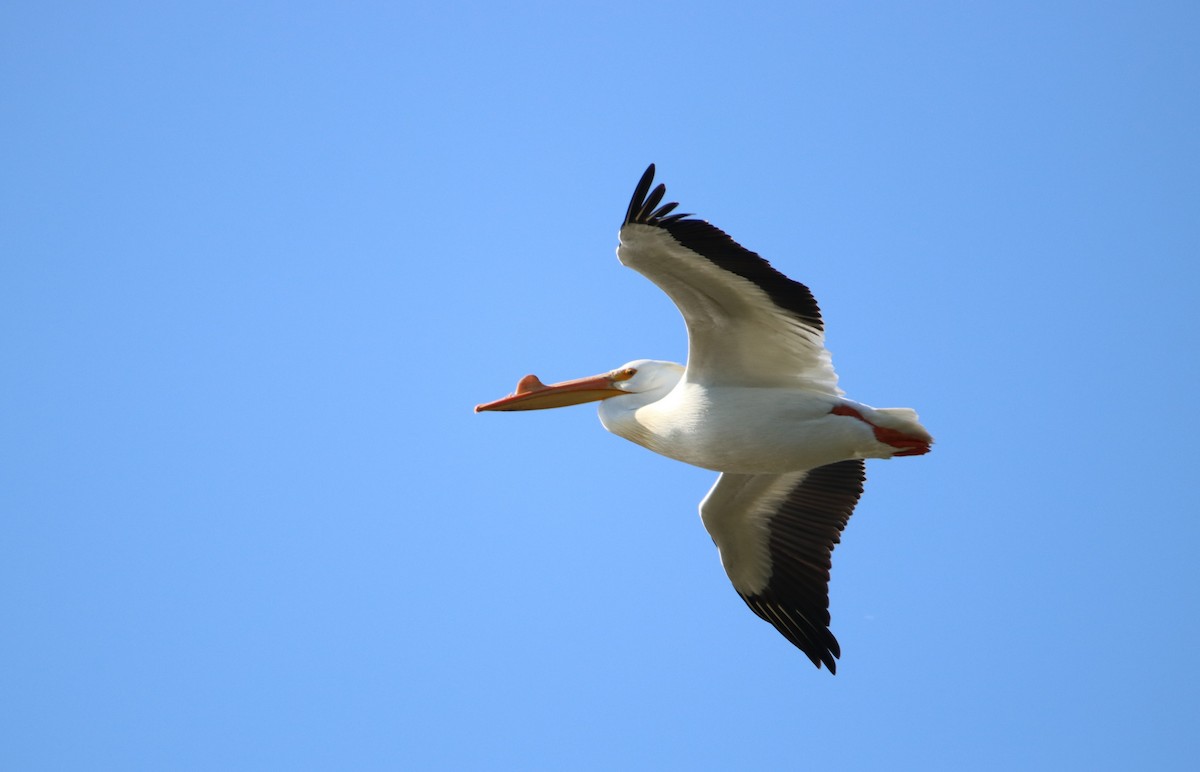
(738, 429)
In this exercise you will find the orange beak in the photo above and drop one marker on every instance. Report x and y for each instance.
(532, 394)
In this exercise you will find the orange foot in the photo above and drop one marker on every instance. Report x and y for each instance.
(909, 446)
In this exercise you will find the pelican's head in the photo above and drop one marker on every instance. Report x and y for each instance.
(650, 377)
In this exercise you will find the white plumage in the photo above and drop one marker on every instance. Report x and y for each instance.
(758, 401)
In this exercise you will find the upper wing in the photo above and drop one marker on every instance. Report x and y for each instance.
(747, 323)
(776, 534)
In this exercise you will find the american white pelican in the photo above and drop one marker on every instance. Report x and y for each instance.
(758, 402)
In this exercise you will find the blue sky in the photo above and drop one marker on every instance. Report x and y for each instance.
(259, 261)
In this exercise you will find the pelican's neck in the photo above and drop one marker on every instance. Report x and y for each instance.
(631, 415)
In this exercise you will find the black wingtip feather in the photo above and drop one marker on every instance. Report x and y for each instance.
(715, 245)
(808, 525)
(668, 207)
(639, 195)
(644, 207)
(656, 196)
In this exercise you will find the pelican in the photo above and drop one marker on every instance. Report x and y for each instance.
(758, 401)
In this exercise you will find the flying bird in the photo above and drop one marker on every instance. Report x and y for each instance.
(758, 401)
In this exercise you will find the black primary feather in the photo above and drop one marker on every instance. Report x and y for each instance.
(712, 243)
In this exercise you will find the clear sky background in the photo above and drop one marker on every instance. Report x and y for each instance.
(258, 261)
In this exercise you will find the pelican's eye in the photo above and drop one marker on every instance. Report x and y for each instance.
(624, 375)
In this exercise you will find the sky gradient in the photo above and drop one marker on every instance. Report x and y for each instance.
(258, 263)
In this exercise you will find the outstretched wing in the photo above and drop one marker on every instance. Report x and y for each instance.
(776, 535)
(747, 323)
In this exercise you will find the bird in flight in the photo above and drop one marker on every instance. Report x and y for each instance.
(758, 401)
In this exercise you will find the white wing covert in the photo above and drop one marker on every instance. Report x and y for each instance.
(747, 323)
(776, 535)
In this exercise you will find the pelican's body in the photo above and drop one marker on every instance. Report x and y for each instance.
(758, 402)
(767, 430)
